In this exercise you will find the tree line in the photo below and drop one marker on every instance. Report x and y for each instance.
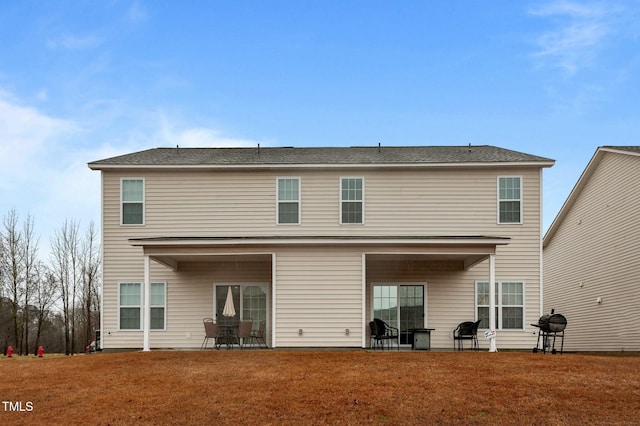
(54, 303)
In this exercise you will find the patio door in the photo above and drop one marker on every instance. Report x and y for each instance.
(249, 302)
(400, 305)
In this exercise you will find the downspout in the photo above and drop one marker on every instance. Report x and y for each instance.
(541, 254)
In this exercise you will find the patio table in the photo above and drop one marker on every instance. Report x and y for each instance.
(228, 335)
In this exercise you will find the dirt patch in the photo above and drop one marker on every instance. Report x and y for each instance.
(321, 387)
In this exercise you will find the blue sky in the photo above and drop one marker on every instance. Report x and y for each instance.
(86, 80)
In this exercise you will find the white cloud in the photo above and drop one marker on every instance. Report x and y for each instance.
(197, 137)
(25, 133)
(580, 33)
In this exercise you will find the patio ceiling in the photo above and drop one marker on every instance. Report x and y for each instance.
(171, 251)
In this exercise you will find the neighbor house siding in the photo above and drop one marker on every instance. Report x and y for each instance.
(594, 256)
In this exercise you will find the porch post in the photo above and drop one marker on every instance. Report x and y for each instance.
(492, 300)
(363, 308)
(274, 292)
(146, 316)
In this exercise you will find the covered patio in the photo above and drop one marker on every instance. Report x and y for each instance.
(322, 291)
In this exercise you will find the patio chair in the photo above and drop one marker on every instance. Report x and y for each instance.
(258, 335)
(210, 333)
(374, 338)
(467, 330)
(386, 332)
(244, 332)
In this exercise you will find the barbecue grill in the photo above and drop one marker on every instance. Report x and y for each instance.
(551, 328)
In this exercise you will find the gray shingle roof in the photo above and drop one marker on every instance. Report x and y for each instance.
(385, 155)
(634, 149)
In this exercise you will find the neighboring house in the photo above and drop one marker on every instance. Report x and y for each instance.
(592, 255)
(318, 241)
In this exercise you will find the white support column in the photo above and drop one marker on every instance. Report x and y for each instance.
(274, 292)
(492, 301)
(146, 306)
(363, 309)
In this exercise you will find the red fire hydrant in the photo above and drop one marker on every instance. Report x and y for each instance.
(40, 352)
(10, 351)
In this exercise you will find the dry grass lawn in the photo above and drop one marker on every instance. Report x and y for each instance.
(322, 387)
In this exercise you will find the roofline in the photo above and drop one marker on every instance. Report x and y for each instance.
(577, 189)
(95, 166)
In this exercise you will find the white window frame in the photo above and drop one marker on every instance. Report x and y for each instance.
(122, 202)
(278, 201)
(139, 306)
(342, 179)
(163, 306)
(499, 200)
(499, 305)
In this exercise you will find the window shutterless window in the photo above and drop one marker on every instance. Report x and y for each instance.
(132, 198)
(158, 306)
(351, 200)
(288, 201)
(509, 199)
(130, 306)
(509, 304)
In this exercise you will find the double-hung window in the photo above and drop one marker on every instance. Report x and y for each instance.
(509, 304)
(288, 201)
(130, 301)
(509, 199)
(132, 198)
(131, 304)
(351, 200)
(157, 306)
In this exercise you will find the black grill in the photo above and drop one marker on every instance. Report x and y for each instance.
(551, 328)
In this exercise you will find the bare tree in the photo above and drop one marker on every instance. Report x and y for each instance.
(46, 294)
(12, 264)
(65, 263)
(90, 279)
(31, 276)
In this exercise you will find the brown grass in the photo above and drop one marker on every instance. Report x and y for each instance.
(322, 387)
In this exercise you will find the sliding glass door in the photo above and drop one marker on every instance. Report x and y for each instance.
(401, 306)
(249, 303)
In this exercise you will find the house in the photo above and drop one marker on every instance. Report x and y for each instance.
(592, 255)
(318, 241)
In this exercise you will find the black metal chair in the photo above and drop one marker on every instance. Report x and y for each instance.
(467, 330)
(385, 332)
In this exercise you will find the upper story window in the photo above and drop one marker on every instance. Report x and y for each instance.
(288, 201)
(351, 200)
(509, 199)
(132, 197)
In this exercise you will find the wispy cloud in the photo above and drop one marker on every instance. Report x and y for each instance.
(72, 42)
(580, 32)
(24, 132)
(137, 12)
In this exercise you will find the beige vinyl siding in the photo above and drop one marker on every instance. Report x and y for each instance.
(320, 292)
(428, 202)
(432, 201)
(594, 254)
(189, 299)
(450, 295)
